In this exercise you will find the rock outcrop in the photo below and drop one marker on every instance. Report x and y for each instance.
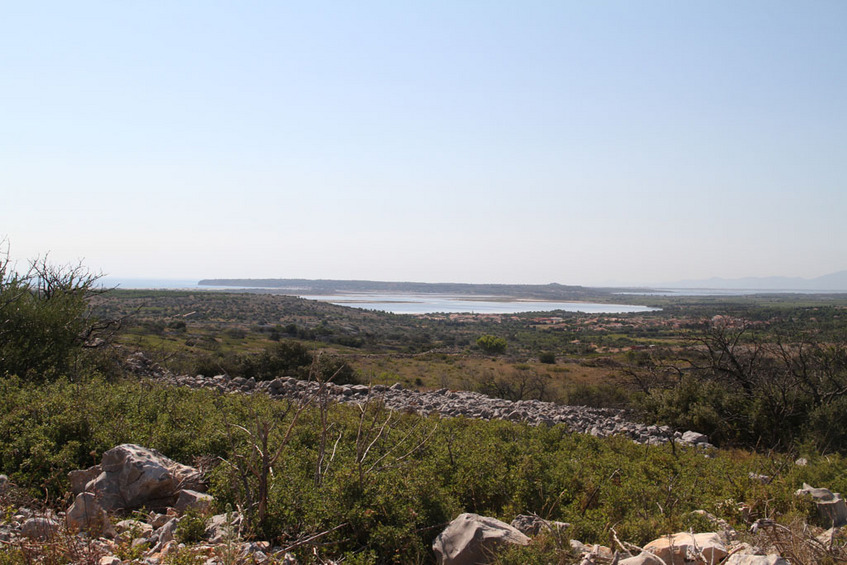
(471, 539)
(688, 549)
(86, 514)
(593, 554)
(192, 500)
(221, 526)
(532, 525)
(132, 476)
(40, 528)
(643, 558)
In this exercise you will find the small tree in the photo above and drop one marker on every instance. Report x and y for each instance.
(752, 389)
(491, 344)
(45, 320)
(293, 359)
(284, 358)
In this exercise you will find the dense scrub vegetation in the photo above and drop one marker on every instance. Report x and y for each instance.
(389, 493)
(756, 372)
(44, 319)
(767, 375)
(748, 386)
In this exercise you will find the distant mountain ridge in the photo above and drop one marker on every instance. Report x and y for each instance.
(831, 282)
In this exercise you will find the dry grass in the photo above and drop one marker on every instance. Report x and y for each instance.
(801, 543)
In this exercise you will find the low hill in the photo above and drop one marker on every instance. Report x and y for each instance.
(551, 291)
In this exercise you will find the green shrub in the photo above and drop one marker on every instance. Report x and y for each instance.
(547, 357)
(597, 396)
(191, 528)
(44, 319)
(285, 358)
(545, 549)
(491, 344)
(12, 556)
(753, 388)
(390, 482)
(50, 429)
(293, 359)
(185, 556)
(328, 367)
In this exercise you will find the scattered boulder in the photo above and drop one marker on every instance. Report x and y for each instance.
(166, 535)
(747, 559)
(4, 483)
(221, 526)
(133, 476)
(594, 554)
(725, 531)
(134, 528)
(85, 514)
(141, 365)
(158, 520)
(471, 539)
(643, 558)
(591, 554)
(601, 422)
(81, 477)
(831, 538)
(688, 549)
(532, 525)
(694, 438)
(163, 553)
(193, 500)
(40, 528)
(831, 506)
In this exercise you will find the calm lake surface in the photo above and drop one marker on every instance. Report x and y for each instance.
(454, 304)
(403, 303)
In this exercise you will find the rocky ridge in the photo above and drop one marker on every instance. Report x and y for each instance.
(599, 422)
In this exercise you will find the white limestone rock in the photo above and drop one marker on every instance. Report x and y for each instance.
(688, 549)
(133, 476)
(471, 539)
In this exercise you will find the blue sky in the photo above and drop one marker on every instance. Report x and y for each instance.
(571, 142)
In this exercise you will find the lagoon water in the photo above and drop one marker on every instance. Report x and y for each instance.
(402, 303)
(454, 304)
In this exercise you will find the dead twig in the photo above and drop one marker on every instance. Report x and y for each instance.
(313, 537)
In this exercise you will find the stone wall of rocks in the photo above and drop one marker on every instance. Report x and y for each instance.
(449, 403)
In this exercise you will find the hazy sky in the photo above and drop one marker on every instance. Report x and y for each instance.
(579, 142)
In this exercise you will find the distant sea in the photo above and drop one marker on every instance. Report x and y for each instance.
(129, 284)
